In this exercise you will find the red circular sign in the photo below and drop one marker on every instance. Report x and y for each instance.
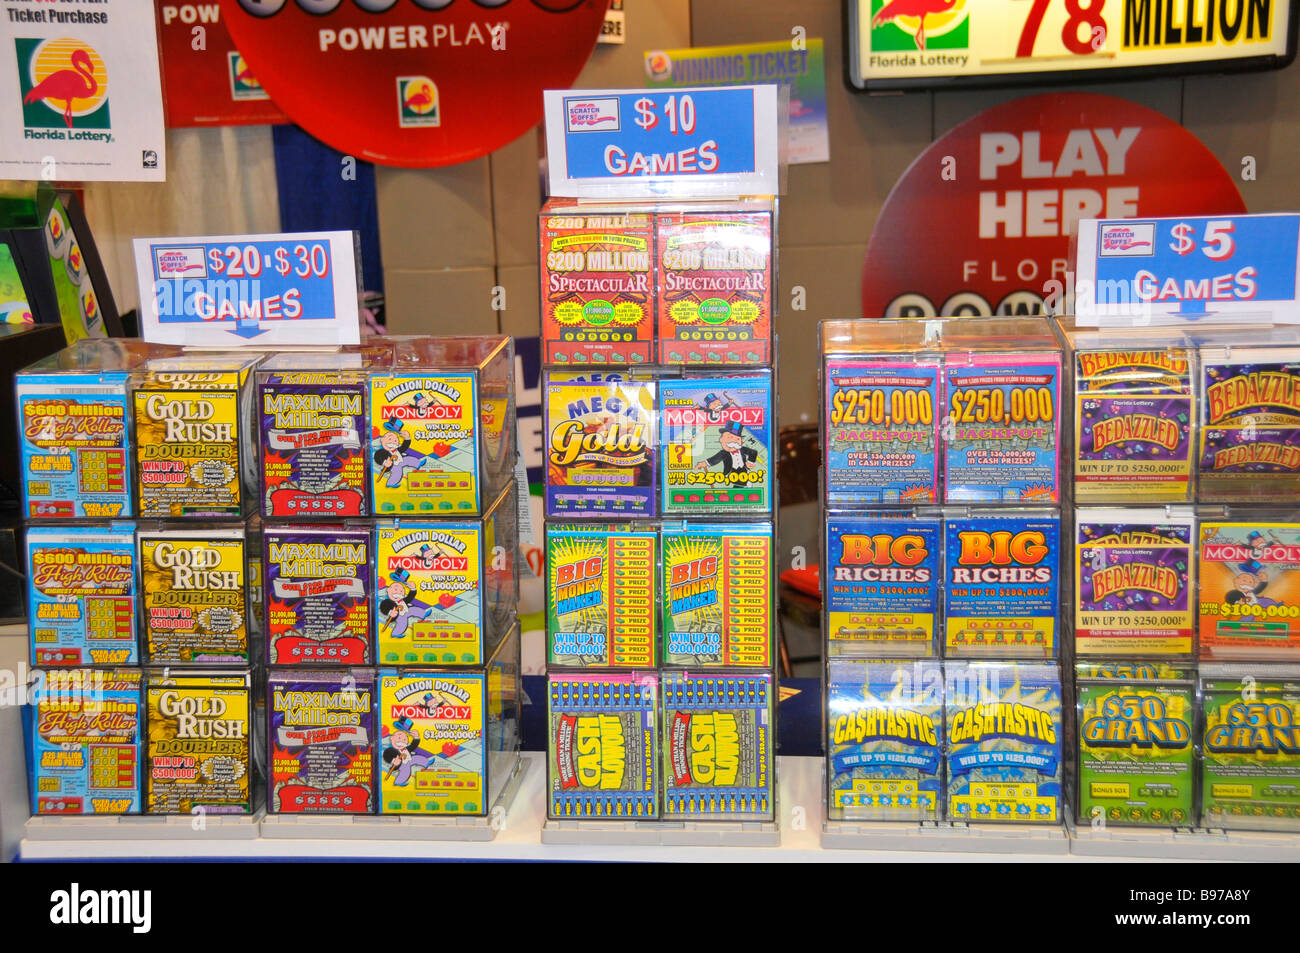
(414, 83)
(980, 223)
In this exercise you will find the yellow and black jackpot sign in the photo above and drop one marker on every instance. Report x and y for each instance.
(899, 44)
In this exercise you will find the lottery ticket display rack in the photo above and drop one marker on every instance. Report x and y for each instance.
(942, 494)
(1180, 590)
(272, 596)
(659, 436)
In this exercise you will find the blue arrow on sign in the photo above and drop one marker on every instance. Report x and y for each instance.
(247, 327)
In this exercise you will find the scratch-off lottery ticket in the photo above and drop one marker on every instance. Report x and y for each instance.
(75, 460)
(424, 452)
(1250, 750)
(603, 746)
(716, 445)
(195, 605)
(1250, 589)
(1134, 415)
(318, 594)
(882, 586)
(85, 742)
(597, 274)
(1003, 430)
(1003, 742)
(1003, 579)
(198, 756)
(429, 593)
(1134, 583)
(600, 447)
(322, 743)
(1250, 440)
(717, 595)
(715, 287)
(81, 595)
(717, 734)
(312, 460)
(190, 435)
(432, 759)
(600, 596)
(881, 432)
(885, 721)
(1136, 752)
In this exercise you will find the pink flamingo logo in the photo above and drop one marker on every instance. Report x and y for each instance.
(67, 85)
(420, 100)
(912, 8)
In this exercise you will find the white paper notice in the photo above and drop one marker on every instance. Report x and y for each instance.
(80, 95)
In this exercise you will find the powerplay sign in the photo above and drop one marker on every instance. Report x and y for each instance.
(414, 83)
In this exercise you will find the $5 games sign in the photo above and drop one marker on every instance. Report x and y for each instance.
(693, 141)
(213, 291)
(1177, 269)
(413, 83)
(1011, 185)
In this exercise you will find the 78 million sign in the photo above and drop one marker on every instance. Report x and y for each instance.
(898, 44)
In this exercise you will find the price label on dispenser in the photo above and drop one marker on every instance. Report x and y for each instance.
(1176, 270)
(231, 290)
(645, 143)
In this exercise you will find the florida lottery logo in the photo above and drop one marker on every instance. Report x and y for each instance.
(243, 84)
(919, 25)
(658, 66)
(417, 102)
(64, 84)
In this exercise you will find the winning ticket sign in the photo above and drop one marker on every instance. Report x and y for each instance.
(645, 143)
(895, 44)
(289, 289)
(1171, 270)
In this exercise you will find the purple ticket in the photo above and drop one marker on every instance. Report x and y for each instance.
(1131, 445)
(313, 460)
(1151, 372)
(1130, 534)
(1126, 579)
(317, 597)
(1133, 600)
(1135, 428)
(1247, 450)
(321, 739)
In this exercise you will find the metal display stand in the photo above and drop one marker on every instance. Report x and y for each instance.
(663, 833)
(523, 834)
(1033, 839)
(1212, 844)
(396, 826)
(176, 829)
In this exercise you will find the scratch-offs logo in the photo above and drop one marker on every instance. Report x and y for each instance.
(899, 25)
(64, 86)
(417, 102)
(1128, 240)
(1141, 719)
